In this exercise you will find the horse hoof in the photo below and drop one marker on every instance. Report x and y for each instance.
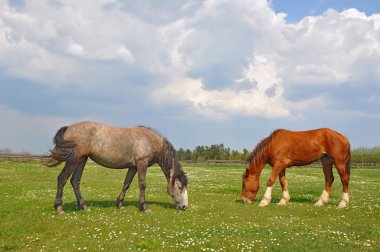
(85, 208)
(60, 210)
(263, 204)
(320, 203)
(342, 205)
(147, 211)
(283, 202)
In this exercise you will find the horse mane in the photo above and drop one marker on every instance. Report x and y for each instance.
(168, 156)
(260, 152)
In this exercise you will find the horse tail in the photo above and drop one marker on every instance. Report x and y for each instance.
(168, 158)
(348, 158)
(63, 151)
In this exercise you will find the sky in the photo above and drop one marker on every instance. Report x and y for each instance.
(199, 72)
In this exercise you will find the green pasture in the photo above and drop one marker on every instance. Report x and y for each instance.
(215, 220)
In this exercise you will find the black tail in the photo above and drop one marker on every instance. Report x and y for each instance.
(63, 150)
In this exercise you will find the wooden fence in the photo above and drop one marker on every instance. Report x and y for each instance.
(27, 157)
(22, 158)
(242, 162)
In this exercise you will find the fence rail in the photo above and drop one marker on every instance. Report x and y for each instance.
(242, 162)
(22, 158)
(25, 158)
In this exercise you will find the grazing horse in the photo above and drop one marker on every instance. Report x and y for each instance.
(284, 148)
(135, 148)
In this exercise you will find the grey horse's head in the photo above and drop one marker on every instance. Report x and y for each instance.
(177, 180)
(177, 189)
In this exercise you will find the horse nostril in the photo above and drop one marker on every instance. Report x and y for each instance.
(184, 207)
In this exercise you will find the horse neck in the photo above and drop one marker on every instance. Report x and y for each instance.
(168, 167)
(256, 167)
(167, 171)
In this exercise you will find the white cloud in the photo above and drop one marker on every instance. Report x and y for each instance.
(217, 58)
(332, 49)
(109, 53)
(45, 41)
(262, 72)
(76, 49)
(220, 104)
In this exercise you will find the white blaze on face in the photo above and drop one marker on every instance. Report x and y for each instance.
(180, 195)
(184, 198)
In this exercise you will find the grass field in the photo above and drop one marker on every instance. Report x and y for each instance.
(215, 220)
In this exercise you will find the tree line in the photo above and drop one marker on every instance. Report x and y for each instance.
(220, 152)
(365, 155)
(212, 152)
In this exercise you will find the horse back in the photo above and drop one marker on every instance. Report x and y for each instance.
(115, 147)
(304, 147)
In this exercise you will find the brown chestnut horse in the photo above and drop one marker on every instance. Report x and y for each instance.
(284, 148)
(135, 148)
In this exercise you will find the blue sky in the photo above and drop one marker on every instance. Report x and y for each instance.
(298, 9)
(200, 72)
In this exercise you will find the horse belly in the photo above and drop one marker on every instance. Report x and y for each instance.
(113, 160)
(116, 164)
(305, 158)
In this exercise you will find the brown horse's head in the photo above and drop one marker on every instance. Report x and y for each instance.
(250, 187)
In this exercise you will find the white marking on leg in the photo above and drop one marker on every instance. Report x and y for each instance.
(285, 198)
(323, 199)
(345, 201)
(267, 197)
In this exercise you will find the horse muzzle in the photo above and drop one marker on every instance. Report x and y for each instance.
(181, 207)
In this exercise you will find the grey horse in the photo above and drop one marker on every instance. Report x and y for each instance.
(135, 148)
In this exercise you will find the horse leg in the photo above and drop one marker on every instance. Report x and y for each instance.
(75, 182)
(62, 179)
(141, 169)
(285, 193)
(268, 193)
(127, 182)
(327, 164)
(345, 178)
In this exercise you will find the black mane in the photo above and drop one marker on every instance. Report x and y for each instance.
(167, 157)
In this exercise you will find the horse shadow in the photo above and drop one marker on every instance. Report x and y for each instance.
(277, 200)
(73, 207)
